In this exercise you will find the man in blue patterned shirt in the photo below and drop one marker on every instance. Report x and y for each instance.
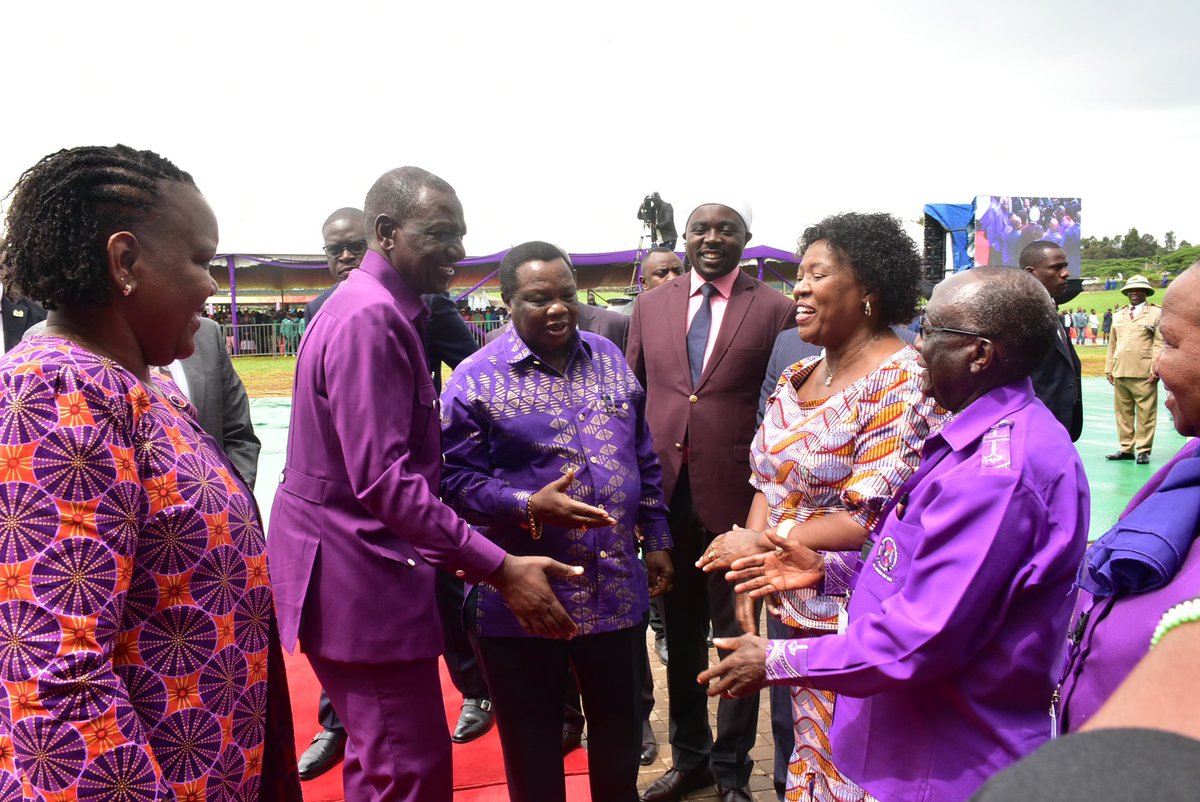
(547, 452)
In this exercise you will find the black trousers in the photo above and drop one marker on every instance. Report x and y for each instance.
(528, 676)
(697, 598)
(461, 660)
(781, 712)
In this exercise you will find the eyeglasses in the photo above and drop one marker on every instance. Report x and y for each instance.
(927, 327)
(357, 247)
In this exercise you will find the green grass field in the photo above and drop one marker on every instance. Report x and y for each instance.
(271, 376)
(266, 376)
(1105, 299)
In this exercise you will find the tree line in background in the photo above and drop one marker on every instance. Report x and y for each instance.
(1131, 246)
(1109, 257)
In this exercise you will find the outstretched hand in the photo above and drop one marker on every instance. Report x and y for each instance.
(727, 548)
(551, 505)
(741, 673)
(790, 566)
(522, 581)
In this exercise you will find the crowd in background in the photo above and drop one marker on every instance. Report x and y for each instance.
(909, 505)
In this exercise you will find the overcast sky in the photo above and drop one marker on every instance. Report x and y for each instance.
(554, 119)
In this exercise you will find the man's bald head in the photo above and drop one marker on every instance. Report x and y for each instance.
(397, 193)
(1011, 308)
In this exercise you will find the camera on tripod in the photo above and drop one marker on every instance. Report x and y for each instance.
(648, 210)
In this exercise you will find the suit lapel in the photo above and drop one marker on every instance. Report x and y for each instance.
(677, 306)
(193, 369)
(736, 309)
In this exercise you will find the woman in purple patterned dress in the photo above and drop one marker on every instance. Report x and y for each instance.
(138, 655)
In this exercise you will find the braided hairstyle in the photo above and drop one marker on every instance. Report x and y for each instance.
(63, 211)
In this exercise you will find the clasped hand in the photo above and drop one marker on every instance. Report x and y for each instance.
(789, 566)
(726, 548)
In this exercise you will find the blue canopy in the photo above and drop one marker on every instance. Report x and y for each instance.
(955, 218)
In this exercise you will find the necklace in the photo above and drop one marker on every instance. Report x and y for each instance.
(829, 374)
(73, 334)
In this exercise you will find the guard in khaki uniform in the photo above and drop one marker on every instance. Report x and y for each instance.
(1133, 345)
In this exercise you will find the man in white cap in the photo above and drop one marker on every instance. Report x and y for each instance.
(1133, 345)
(699, 344)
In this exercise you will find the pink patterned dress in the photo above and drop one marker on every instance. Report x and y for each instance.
(848, 452)
(138, 656)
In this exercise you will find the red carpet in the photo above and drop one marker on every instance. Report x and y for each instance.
(478, 766)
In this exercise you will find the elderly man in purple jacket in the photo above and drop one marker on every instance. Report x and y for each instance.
(945, 668)
(357, 529)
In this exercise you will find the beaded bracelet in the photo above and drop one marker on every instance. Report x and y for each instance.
(1182, 613)
(535, 527)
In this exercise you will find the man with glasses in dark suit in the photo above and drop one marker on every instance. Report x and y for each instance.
(345, 243)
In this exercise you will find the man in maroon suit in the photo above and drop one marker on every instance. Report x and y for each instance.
(700, 345)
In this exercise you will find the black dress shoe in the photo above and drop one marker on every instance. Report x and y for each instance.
(326, 751)
(660, 650)
(1143, 458)
(674, 784)
(1119, 455)
(649, 744)
(734, 794)
(474, 719)
(572, 738)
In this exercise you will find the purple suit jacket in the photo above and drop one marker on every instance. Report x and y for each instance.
(716, 420)
(357, 527)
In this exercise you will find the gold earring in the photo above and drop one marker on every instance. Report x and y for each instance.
(867, 309)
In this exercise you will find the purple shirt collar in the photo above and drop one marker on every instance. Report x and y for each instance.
(516, 351)
(973, 422)
(1148, 545)
(374, 264)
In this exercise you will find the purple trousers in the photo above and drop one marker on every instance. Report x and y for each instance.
(398, 748)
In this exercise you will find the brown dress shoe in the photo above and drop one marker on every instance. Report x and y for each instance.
(674, 784)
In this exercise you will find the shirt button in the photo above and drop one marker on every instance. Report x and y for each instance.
(592, 460)
(411, 562)
(282, 476)
(604, 555)
(460, 573)
(693, 398)
(679, 446)
(582, 416)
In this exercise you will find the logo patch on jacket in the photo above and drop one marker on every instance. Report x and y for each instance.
(887, 558)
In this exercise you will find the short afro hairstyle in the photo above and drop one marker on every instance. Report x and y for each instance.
(63, 211)
(882, 256)
(535, 251)
(1035, 251)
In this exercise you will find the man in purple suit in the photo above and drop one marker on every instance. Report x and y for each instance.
(699, 344)
(357, 529)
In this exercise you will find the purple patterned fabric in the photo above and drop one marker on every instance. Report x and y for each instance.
(511, 426)
(133, 600)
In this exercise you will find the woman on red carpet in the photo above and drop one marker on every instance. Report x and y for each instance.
(139, 658)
